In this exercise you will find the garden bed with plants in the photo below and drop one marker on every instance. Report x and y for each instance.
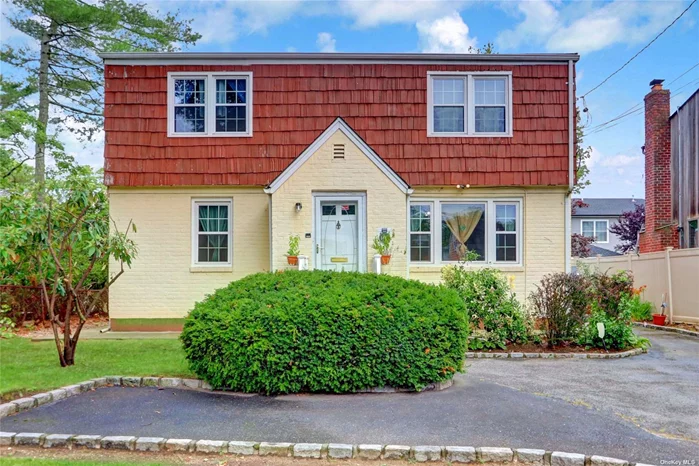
(588, 312)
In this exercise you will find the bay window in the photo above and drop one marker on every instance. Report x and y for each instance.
(444, 231)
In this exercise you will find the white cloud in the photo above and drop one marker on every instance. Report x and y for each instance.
(584, 27)
(540, 20)
(326, 42)
(448, 34)
(620, 160)
(368, 13)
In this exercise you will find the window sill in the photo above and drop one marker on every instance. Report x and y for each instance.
(427, 268)
(213, 269)
(206, 135)
(469, 135)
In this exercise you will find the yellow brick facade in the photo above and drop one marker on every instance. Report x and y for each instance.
(322, 173)
(162, 282)
(543, 215)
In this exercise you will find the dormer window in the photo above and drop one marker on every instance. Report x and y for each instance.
(476, 104)
(209, 104)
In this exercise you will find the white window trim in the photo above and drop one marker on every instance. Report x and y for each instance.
(431, 232)
(469, 115)
(209, 103)
(594, 228)
(490, 250)
(196, 202)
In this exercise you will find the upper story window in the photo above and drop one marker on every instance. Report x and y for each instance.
(596, 229)
(469, 104)
(209, 104)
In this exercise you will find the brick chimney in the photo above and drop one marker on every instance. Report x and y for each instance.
(659, 231)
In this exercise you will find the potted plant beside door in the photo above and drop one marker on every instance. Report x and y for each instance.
(292, 255)
(383, 244)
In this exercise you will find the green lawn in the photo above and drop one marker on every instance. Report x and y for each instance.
(27, 367)
(52, 462)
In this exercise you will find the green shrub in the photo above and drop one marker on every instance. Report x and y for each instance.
(608, 290)
(618, 329)
(561, 299)
(490, 304)
(320, 331)
(641, 311)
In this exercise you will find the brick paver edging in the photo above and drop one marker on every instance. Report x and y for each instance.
(519, 356)
(24, 404)
(420, 453)
(681, 331)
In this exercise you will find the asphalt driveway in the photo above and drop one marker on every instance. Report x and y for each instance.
(605, 407)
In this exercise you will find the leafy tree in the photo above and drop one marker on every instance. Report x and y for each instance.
(630, 224)
(62, 242)
(580, 245)
(69, 74)
(582, 155)
(488, 48)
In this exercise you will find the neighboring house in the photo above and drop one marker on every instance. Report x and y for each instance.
(595, 219)
(671, 172)
(219, 157)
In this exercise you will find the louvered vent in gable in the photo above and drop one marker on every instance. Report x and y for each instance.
(338, 151)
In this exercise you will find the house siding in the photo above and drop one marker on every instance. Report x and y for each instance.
(356, 173)
(386, 104)
(543, 228)
(613, 238)
(161, 283)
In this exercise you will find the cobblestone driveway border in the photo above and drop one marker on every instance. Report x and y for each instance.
(681, 331)
(418, 453)
(520, 356)
(24, 404)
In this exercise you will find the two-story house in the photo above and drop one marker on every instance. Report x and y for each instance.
(219, 157)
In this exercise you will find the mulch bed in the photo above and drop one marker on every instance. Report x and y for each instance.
(542, 348)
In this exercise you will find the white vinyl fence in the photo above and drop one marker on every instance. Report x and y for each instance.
(672, 275)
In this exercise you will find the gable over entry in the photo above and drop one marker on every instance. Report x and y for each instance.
(338, 125)
(335, 196)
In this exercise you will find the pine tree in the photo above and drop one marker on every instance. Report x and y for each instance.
(65, 69)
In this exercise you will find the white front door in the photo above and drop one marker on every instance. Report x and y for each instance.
(339, 235)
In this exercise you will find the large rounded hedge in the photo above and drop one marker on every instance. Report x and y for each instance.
(318, 331)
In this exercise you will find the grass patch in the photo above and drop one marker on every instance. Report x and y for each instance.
(32, 367)
(55, 462)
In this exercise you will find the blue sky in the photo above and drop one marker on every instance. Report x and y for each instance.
(605, 33)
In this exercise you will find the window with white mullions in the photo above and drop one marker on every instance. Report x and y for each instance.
(210, 104)
(490, 105)
(213, 233)
(449, 105)
(190, 105)
(421, 232)
(231, 99)
(469, 104)
(596, 229)
(506, 232)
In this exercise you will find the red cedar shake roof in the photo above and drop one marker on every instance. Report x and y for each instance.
(383, 100)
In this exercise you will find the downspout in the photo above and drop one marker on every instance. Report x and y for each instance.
(571, 155)
(271, 243)
(407, 235)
